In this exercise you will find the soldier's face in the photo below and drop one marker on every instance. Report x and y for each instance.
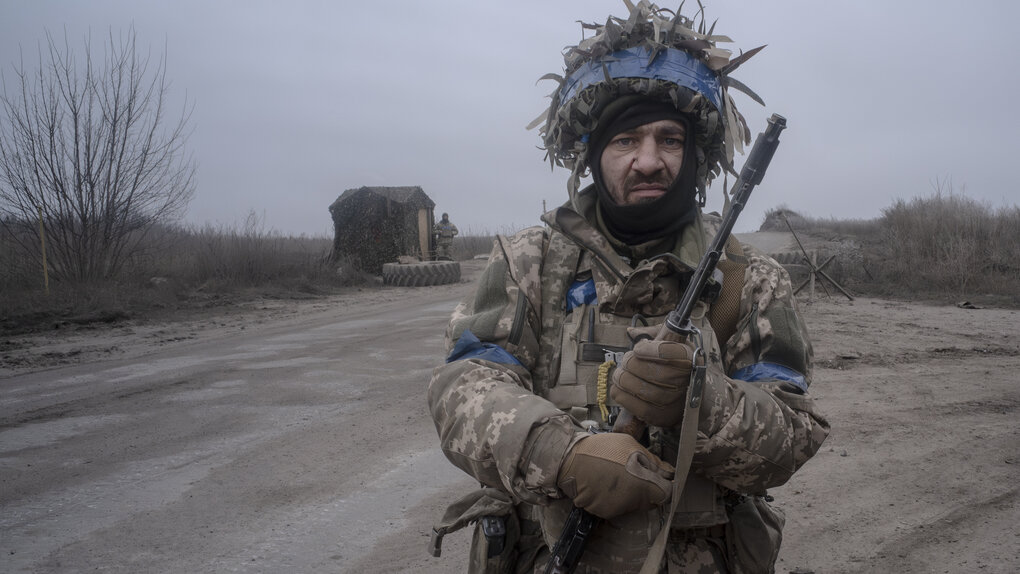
(639, 165)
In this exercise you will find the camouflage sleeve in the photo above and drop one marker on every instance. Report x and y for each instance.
(759, 424)
(770, 331)
(489, 422)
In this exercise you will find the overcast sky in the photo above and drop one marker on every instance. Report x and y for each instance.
(296, 101)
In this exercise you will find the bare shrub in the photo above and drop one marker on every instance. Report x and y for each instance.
(88, 153)
(250, 256)
(945, 245)
(942, 242)
(192, 267)
(1005, 258)
(21, 269)
(470, 246)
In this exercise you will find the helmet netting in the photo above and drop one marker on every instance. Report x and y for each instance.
(718, 133)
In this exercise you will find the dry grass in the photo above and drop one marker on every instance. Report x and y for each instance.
(182, 268)
(944, 246)
(475, 242)
(470, 246)
(950, 244)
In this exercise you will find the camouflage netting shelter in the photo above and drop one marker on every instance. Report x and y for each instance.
(375, 225)
(775, 220)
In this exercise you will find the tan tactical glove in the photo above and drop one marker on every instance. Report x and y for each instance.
(651, 381)
(611, 474)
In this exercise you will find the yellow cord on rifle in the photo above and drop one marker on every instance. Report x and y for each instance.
(603, 381)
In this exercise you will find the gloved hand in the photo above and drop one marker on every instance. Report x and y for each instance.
(611, 474)
(651, 381)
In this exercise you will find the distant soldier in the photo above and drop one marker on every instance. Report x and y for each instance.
(444, 232)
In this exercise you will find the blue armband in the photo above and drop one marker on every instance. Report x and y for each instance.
(771, 372)
(470, 347)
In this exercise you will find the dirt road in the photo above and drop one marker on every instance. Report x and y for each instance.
(298, 445)
(295, 438)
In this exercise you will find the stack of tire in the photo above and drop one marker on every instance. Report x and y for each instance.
(421, 274)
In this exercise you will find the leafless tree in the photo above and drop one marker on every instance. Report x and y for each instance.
(87, 148)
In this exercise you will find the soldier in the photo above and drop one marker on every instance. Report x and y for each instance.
(528, 388)
(444, 232)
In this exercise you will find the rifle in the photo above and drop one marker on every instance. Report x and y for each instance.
(679, 319)
(570, 546)
(566, 554)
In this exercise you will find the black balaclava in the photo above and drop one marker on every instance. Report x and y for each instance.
(643, 222)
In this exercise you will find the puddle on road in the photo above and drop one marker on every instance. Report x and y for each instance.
(443, 308)
(203, 395)
(266, 347)
(316, 333)
(33, 391)
(33, 435)
(429, 319)
(217, 390)
(284, 363)
(229, 384)
(158, 366)
(288, 341)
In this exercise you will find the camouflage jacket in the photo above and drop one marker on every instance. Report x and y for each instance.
(445, 230)
(491, 402)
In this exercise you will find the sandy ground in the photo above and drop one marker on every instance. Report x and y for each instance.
(293, 436)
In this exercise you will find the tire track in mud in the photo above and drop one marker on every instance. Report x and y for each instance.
(940, 544)
(848, 360)
(77, 407)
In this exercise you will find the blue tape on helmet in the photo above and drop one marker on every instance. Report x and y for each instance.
(671, 65)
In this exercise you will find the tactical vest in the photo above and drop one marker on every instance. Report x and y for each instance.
(445, 230)
(574, 375)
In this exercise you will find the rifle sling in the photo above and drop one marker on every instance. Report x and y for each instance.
(684, 457)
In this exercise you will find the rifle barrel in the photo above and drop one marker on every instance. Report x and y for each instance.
(751, 175)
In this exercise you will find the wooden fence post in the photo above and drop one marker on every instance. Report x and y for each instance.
(814, 265)
(42, 239)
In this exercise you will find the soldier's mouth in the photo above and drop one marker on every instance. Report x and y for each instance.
(645, 193)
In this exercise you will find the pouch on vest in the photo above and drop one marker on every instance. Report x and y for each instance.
(506, 538)
(503, 559)
(619, 544)
(753, 535)
(584, 344)
(494, 509)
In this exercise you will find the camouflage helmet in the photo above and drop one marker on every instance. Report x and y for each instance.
(658, 54)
